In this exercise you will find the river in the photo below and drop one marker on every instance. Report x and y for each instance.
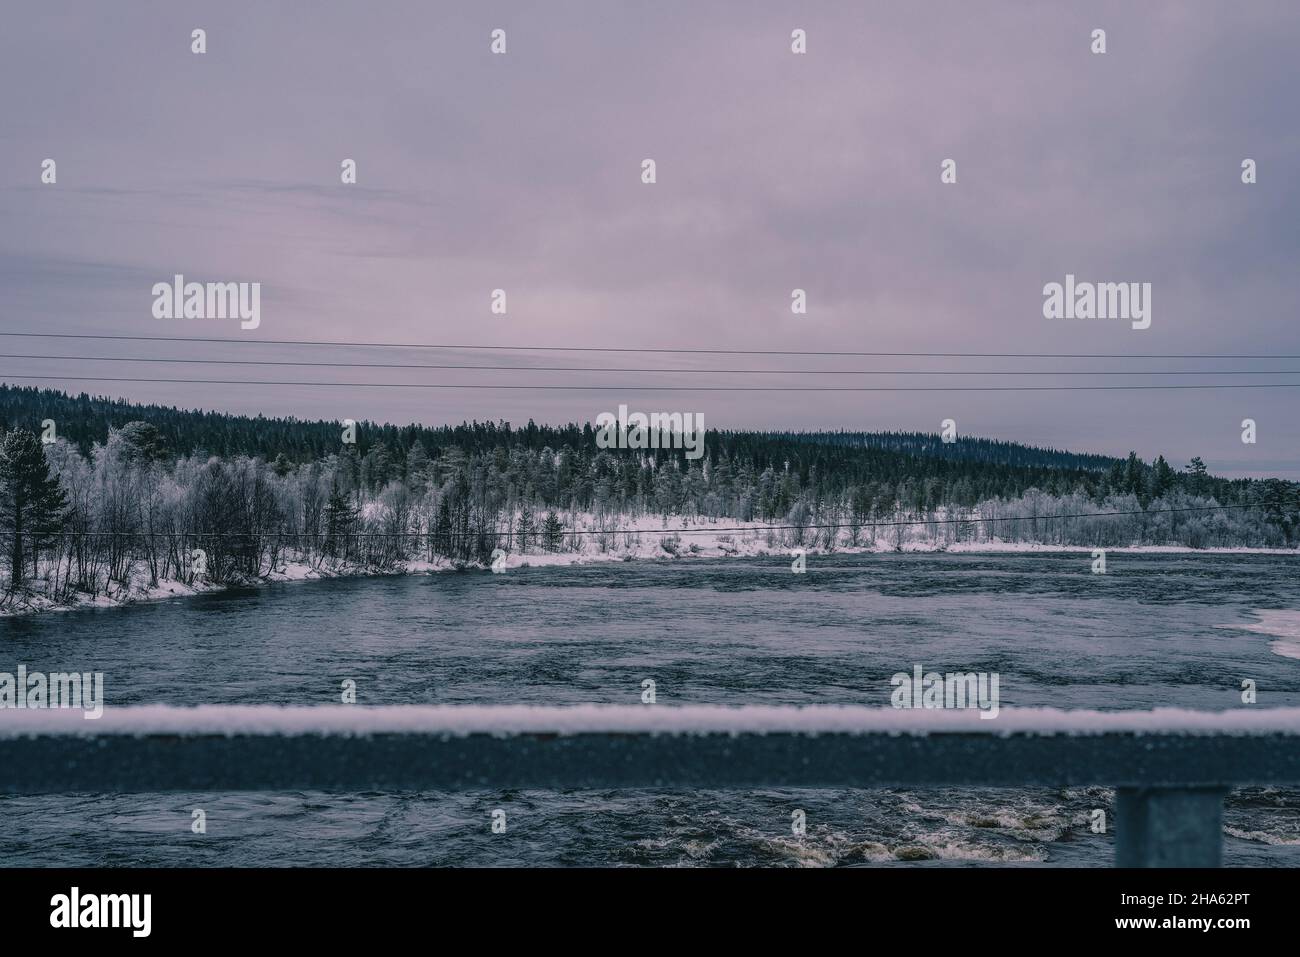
(1155, 630)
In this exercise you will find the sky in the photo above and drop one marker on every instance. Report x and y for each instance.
(775, 171)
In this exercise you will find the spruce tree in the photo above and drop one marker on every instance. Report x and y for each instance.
(1197, 475)
(144, 443)
(340, 522)
(527, 528)
(1162, 477)
(32, 503)
(552, 533)
(417, 467)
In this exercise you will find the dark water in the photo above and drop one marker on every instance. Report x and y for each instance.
(1155, 631)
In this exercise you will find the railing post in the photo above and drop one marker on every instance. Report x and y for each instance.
(1169, 827)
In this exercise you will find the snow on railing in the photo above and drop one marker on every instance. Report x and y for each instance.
(650, 719)
(1171, 767)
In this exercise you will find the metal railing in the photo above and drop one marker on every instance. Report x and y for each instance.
(1171, 768)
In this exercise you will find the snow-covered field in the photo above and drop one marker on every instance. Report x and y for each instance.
(586, 541)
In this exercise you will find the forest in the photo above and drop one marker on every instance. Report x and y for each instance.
(95, 491)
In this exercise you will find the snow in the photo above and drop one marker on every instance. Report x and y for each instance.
(637, 538)
(456, 720)
(138, 588)
(1283, 624)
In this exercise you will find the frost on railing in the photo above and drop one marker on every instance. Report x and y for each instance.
(1171, 767)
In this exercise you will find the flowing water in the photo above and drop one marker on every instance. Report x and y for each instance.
(1157, 630)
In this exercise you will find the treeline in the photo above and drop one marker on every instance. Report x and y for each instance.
(965, 471)
(932, 445)
(132, 506)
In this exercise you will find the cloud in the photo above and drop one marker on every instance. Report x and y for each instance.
(775, 171)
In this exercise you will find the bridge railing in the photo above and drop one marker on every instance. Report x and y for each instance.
(1171, 768)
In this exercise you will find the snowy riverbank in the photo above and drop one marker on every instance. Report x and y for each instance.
(645, 538)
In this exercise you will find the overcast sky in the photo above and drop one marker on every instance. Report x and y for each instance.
(775, 171)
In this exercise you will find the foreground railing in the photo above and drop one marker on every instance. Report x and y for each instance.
(1171, 768)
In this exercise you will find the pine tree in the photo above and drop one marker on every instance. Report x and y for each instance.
(1134, 469)
(417, 466)
(32, 503)
(552, 532)
(340, 520)
(376, 467)
(1162, 477)
(144, 443)
(442, 531)
(527, 528)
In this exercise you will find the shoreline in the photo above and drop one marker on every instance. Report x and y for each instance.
(690, 541)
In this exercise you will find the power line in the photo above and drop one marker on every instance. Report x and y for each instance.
(482, 368)
(628, 349)
(663, 388)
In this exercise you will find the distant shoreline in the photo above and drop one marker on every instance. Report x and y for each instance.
(694, 543)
